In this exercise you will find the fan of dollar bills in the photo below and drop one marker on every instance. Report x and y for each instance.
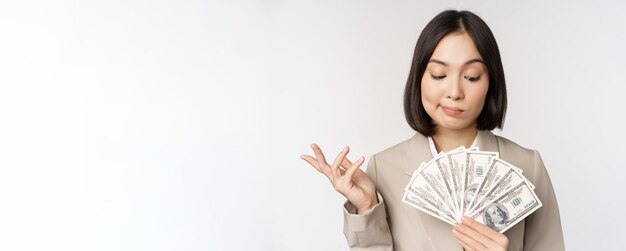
(474, 183)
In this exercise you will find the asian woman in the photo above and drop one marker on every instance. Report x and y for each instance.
(455, 95)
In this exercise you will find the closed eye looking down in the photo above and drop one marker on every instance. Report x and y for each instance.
(466, 77)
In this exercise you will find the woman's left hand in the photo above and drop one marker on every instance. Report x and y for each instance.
(473, 235)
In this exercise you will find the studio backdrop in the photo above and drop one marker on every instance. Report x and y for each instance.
(178, 125)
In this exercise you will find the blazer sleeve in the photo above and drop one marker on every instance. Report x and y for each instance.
(369, 231)
(543, 227)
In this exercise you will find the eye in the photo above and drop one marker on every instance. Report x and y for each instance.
(472, 79)
(438, 77)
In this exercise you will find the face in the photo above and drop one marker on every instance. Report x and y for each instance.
(469, 194)
(455, 83)
(495, 214)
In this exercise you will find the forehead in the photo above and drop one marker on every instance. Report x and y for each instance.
(456, 49)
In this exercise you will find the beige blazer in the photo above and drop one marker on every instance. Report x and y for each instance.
(394, 225)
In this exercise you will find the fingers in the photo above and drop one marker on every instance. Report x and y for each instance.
(334, 168)
(319, 155)
(340, 166)
(465, 246)
(476, 236)
(318, 163)
(499, 238)
(346, 164)
(312, 161)
(468, 237)
(352, 170)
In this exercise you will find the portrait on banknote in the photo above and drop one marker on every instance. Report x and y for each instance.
(496, 216)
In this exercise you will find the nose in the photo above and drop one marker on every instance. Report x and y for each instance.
(454, 90)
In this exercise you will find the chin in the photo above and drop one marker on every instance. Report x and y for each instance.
(456, 124)
(455, 127)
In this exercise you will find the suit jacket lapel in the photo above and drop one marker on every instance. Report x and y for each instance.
(418, 151)
(487, 142)
(437, 232)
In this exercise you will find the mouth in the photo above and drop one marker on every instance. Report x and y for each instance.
(452, 111)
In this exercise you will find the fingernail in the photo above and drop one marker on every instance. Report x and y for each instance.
(455, 232)
(456, 227)
(465, 219)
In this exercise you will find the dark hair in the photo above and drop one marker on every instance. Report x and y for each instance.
(446, 22)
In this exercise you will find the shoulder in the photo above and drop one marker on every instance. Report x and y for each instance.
(394, 150)
(414, 149)
(388, 167)
(394, 158)
(508, 147)
(522, 157)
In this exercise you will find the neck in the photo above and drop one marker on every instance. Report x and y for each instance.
(447, 139)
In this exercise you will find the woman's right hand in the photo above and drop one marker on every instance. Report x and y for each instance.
(351, 182)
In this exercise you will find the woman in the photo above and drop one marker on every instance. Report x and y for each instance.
(455, 95)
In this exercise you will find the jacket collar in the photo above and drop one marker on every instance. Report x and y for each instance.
(418, 150)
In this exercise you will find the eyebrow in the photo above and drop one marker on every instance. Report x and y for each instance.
(475, 60)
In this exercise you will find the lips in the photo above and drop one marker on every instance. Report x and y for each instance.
(452, 111)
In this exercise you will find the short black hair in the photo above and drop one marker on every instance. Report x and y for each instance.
(444, 23)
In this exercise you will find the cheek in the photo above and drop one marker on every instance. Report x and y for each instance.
(478, 96)
(430, 95)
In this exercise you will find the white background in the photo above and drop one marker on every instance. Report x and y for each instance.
(178, 125)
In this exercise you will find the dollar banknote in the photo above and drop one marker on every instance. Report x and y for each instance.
(509, 208)
(432, 209)
(457, 160)
(474, 183)
(500, 176)
(423, 190)
(434, 175)
(476, 164)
